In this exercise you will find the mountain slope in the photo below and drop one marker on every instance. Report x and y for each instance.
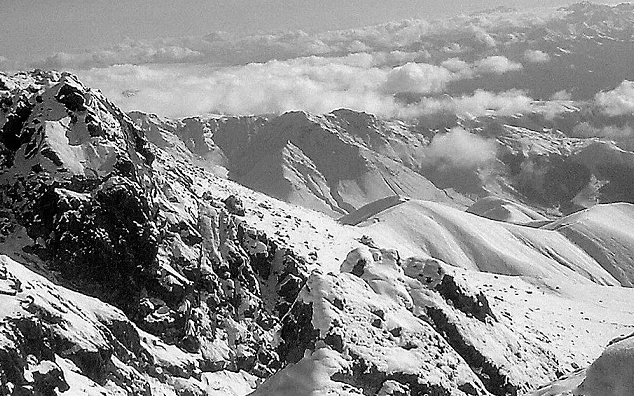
(501, 209)
(332, 163)
(468, 241)
(604, 232)
(512, 332)
(188, 283)
(338, 162)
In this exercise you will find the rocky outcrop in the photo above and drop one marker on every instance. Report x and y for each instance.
(98, 217)
(413, 327)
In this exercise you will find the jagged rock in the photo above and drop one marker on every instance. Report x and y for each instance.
(47, 378)
(414, 355)
(357, 260)
(393, 388)
(473, 303)
(429, 272)
(234, 205)
(106, 228)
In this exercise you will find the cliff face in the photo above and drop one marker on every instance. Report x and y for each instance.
(127, 266)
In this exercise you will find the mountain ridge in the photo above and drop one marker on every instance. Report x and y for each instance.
(208, 287)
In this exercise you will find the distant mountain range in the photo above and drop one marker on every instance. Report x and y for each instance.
(338, 162)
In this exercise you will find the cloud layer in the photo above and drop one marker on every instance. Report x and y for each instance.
(460, 34)
(358, 82)
(586, 130)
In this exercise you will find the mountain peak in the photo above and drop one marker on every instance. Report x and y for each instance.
(50, 121)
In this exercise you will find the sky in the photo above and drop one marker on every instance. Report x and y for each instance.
(33, 29)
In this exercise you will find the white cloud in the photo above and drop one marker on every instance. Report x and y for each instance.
(224, 49)
(273, 87)
(536, 56)
(361, 69)
(459, 148)
(619, 101)
(561, 95)
(482, 36)
(496, 65)
(312, 84)
(453, 48)
(135, 52)
(455, 65)
(418, 78)
(480, 103)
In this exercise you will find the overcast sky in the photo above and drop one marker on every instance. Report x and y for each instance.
(37, 28)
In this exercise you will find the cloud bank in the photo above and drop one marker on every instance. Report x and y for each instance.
(476, 32)
(587, 130)
(358, 82)
(495, 64)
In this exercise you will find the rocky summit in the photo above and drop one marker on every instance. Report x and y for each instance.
(141, 256)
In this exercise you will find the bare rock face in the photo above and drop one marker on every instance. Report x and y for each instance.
(234, 205)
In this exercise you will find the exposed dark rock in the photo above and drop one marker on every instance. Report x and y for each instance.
(70, 97)
(493, 377)
(339, 303)
(234, 205)
(358, 268)
(370, 378)
(13, 133)
(188, 281)
(108, 240)
(298, 333)
(380, 313)
(472, 303)
(396, 331)
(48, 378)
(335, 341)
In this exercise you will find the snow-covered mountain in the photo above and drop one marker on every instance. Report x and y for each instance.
(130, 264)
(338, 162)
(333, 163)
